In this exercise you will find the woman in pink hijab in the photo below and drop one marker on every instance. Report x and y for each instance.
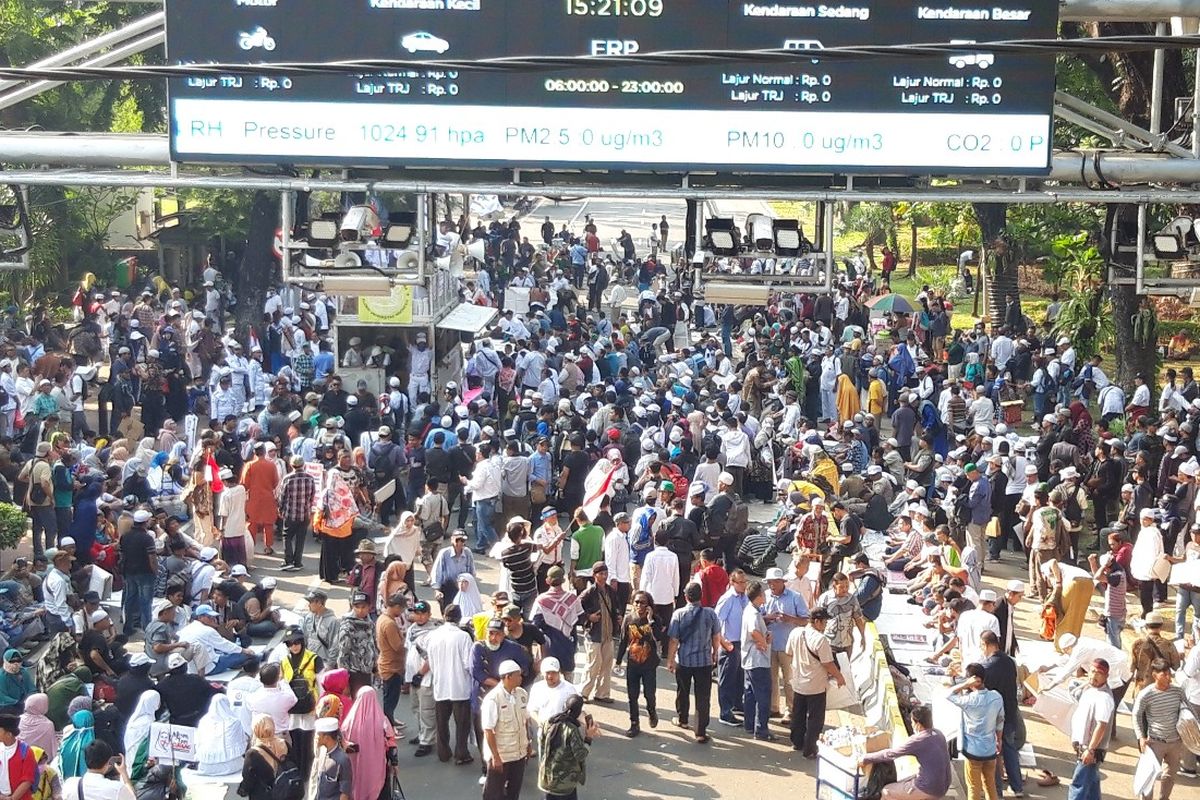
(372, 736)
(36, 728)
(334, 701)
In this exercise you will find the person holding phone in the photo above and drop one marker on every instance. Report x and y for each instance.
(106, 777)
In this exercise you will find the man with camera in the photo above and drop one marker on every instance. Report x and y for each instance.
(106, 777)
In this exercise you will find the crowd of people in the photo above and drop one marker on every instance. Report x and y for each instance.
(605, 452)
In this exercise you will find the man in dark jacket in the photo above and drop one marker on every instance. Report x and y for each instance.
(185, 696)
(601, 622)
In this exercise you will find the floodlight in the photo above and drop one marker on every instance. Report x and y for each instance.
(788, 237)
(1174, 240)
(760, 233)
(322, 231)
(722, 236)
(401, 227)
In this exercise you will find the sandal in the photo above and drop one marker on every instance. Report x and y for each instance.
(1046, 779)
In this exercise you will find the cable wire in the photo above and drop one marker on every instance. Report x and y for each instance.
(675, 58)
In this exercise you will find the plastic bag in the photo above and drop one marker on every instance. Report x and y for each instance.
(1148, 770)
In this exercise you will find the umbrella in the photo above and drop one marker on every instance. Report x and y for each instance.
(891, 304)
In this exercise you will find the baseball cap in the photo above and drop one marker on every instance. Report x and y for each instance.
(547, 513)
(774, 574)
(551, 664)
(238, 571)
(315, 594)
(159, 605)
(140, 660)
(267, 583)
(512, 612)
(420, 607)
(12, 654)
(204, 610)
(725, 477)
(175, 661)
(359, 598)
(495, 625)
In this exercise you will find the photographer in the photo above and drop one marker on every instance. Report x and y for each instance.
(106, 777)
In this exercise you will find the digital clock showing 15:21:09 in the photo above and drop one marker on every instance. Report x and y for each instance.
(614, 8)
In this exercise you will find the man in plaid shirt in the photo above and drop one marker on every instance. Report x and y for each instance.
(297, 492)
(304, 366)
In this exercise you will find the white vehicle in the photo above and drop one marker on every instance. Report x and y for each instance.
(981, 60)
(803, 44)
(248, 40)
(424, 42)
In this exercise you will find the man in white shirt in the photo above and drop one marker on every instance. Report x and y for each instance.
(1112, 402)
(982, 411)
(273, 699)
(735, 445)
(448, 666)
(972, 623)
(55, 589)
(660, 576)
(548, 697)
(93, 785)
(213, 653)
(616, 556)
(484, 487)
(1002, 350)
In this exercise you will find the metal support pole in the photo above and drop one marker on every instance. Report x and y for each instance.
(1156, 87)
(828, 246)
(1140, 271)
(1196, 112)
(286, 198)
(422, 234)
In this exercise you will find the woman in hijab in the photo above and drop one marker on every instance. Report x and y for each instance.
(36, 728)
(847, 398)
(85, 521)
(393, 581)
(261, 766)
(137, 733)
(405, 541)
(468, 598)
(143, 456)
(372, 736)
(334, 700)
(564, 746)
(220, 739)
(168, 436)
(973, 375)
(77, 736)
(1083, 428)
(62, 691)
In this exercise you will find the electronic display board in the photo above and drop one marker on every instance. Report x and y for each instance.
(971, 112)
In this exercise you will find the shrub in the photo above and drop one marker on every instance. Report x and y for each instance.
(13, 524)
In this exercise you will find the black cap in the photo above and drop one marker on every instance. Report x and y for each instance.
(421, 607)
(359, 598)
(316, 594)
(293, 635)
(91, 597)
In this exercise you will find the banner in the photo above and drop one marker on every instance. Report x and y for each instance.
(172, 743)
(394, 310)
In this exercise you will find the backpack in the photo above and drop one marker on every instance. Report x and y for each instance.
(738, 519)
(305, 702)
(288, 783)
(765, 561)
(1049, 383)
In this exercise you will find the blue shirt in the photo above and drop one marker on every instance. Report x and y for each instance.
(729, 613)
(448, 567)
(694, 627)
(982, 717)
(752, 657)
(322, 364)
(539, 468)
(790, 603)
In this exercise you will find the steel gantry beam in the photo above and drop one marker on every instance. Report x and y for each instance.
(138, 36)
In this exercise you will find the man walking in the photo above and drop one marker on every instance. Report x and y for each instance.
(1155, 717)
(730, 677)
(756, 664)
(695, 640)
(982, 730)
(600, 621)
(448, 667)
(296, 495)
(506, 745)
(812, 667)
(1091, 731)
